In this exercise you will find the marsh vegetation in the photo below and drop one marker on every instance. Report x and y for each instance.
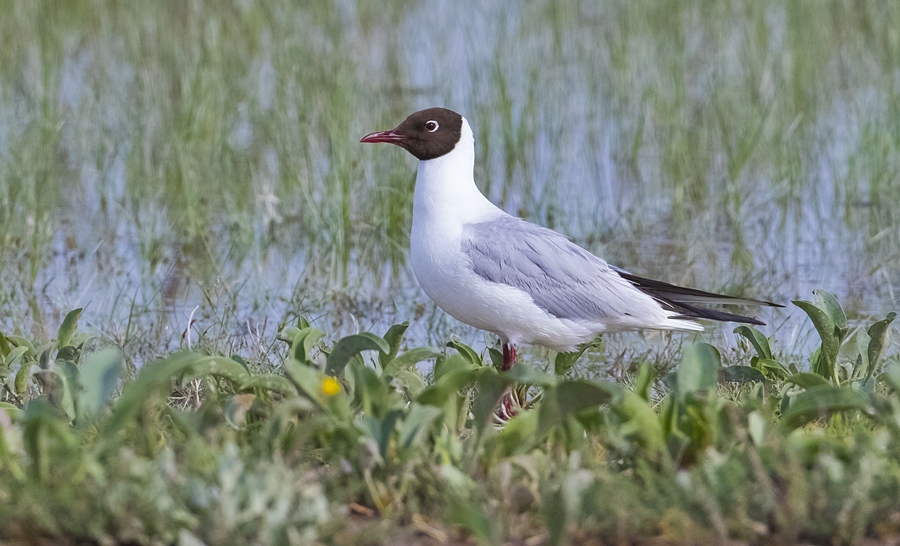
(189, 175)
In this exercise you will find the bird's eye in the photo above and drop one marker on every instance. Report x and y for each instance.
(431, 126)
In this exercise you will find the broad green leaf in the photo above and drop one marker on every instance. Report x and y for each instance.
(892, 376)
(218, 366)
(67, 329)
(99, 379)
(563, 362)
(393, 337)
(369, 391)
(466, 352)
(519, 434)
(828, 303)
(823, 401)
(756, 427)
(771, 368)
(496, 358)
(271, 382)
(350, 346)
(880, 334)
(287, 334)
(4, 346)
(741, 374)
(303, 343)
(450, 364)
(699, 369)
(414, 428)
(21, 382)
(569, 398)
(14, 413)
(639, 420)
(824, 363)
(807, 380)
(459, 374)
(408, 359)
(646, 375)
(15, 355)
(69, 375)
(153, 383)
(491, 386)
(757, 339)
(307, 379)
(20, 341)
(408, 381)
(530, 376)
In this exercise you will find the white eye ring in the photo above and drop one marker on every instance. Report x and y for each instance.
(431, 126)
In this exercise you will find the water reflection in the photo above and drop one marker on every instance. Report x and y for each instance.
(182, 168)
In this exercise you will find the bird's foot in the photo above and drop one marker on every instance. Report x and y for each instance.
(507, 409)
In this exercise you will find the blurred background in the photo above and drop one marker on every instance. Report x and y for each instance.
(175, 162)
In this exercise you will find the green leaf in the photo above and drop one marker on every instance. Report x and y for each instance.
(807, 380)
(14, 355)
(892, 375)
(21, 382)
(67, 329)
(646, 375)
(218, 366)
(153, 383)
(569, 398)
(69, 376)
(408, 359)
(832, 308)
(393, 337)
(639, 420)
(757, 339)
(880, 334)
(823, 401)
(741, 374)
(459, 374)
(271, 382)
(466, 352)
(824, 363)
(491, 386)
(519, 434)
(414, 428)
(450, 364)
(303, 343)
(307, 379)
(699, 369)
(4, 346)
(14, 413)
(350, 346)
(99, 379)
(563, 362)
(530, 375)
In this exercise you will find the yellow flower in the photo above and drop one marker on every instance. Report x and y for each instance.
(330, 386)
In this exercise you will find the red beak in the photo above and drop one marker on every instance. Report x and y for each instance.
(384, 136)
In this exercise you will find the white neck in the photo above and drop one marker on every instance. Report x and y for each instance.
(446, 190)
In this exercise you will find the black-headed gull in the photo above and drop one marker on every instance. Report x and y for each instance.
(523, 282)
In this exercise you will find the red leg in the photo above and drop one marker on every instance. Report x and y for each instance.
(506, 405)
(509, 357)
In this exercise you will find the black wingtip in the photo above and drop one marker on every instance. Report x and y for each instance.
(684, 300)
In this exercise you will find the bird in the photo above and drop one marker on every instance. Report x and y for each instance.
(521, 281)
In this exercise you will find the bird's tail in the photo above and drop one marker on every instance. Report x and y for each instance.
(684, 301)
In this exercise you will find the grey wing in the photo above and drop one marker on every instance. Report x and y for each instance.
(562, 278)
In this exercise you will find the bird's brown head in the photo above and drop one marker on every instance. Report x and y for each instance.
(426, 134)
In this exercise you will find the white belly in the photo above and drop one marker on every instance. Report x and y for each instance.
(445, 273)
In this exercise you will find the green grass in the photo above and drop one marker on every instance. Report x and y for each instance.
(190, 174)
(330, 446)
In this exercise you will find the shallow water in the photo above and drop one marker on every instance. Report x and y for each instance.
(200, 163)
